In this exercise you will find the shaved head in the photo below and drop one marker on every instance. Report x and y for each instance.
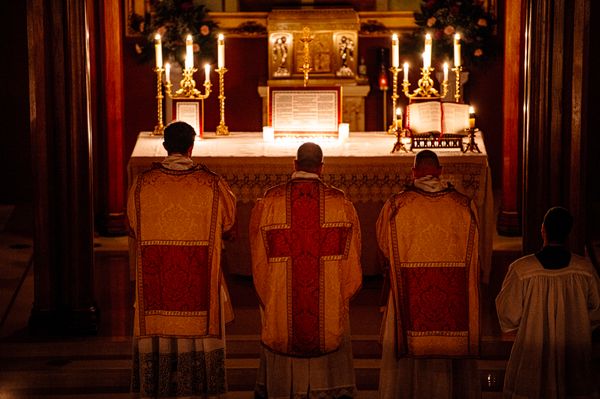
(309, 158)
(427, 163)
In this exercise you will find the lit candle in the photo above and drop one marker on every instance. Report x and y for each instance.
(471, 117)
(445, 71)
(399, 118)
(221, 52)
(395, 51)
(207, 73)
(158, 51)
(406, 71)
(168, 72)
(427, 54)
(189, 52)
(268, 134)
(343, 131)
(457, 50)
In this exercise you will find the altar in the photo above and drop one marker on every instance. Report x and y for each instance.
(361, 166)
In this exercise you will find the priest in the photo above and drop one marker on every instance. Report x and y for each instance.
(305, 241)
(429, 233)
(178, 212)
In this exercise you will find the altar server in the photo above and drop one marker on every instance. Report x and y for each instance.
(305, 240)
(178, 212)
(429, 233)
(551, 300)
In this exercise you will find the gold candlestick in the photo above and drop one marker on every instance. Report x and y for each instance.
(395, 70)
(222, 129)
(159, 129)
(457, 70)
(425, 89)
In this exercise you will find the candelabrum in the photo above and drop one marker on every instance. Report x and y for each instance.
(187, 88)
(472, 144)
(457, 70)
(402, 140)
(306, 39)
(222, 129)
(394, 126)
(425, 89)
(159, 129)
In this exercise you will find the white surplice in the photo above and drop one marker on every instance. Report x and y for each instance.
(553, 312)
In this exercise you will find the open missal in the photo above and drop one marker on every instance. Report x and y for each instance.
(438, 117)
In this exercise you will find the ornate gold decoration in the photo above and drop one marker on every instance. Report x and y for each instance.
(159, 129)
(457, 70)
(425, 89)
(306, 39)
(394, 126)
(187, 88)
(222, 129)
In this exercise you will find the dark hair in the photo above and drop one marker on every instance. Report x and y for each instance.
(309, 157)
(557, 224)
(426, 158)
(179, 137)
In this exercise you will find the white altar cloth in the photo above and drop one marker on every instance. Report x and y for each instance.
(362, 166)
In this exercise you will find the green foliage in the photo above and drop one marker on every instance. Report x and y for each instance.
(174, 20)
(443, 18)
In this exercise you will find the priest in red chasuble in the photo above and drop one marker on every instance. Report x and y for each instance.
(178, 212)
(429, 233)
(305, 240)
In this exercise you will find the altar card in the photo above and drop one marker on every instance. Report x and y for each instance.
(438, 117)
(300, 111)
(189, 111)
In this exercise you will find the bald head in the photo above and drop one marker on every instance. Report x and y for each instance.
(309, 158)
(426, 163)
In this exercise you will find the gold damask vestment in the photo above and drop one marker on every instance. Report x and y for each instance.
(431, 240)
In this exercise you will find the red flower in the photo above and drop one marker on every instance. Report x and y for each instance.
(204, 30)
(186, 6)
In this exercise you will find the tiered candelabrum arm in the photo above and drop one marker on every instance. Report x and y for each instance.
(394, 126)
(425, 89)
(188, 87)
(159, 128)
(222, 129)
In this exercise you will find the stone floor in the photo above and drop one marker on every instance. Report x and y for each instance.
(98, 367)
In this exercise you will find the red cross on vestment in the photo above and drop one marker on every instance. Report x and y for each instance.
(306, 242)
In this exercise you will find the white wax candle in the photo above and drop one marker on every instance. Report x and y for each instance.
(343, 131)
(207, 72)
(189, 52)
(445, 71)
(457, 50)
(399, 117)
(395, 51)
(221, 52)
(427, 56)
(158, 51)
(268, 134)
(471, 117)
(168, 72)
(406, 71)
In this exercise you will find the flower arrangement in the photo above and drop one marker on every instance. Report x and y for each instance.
(443, 18)
(174, 20)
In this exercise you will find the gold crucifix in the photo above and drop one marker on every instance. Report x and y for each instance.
(306, 39)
